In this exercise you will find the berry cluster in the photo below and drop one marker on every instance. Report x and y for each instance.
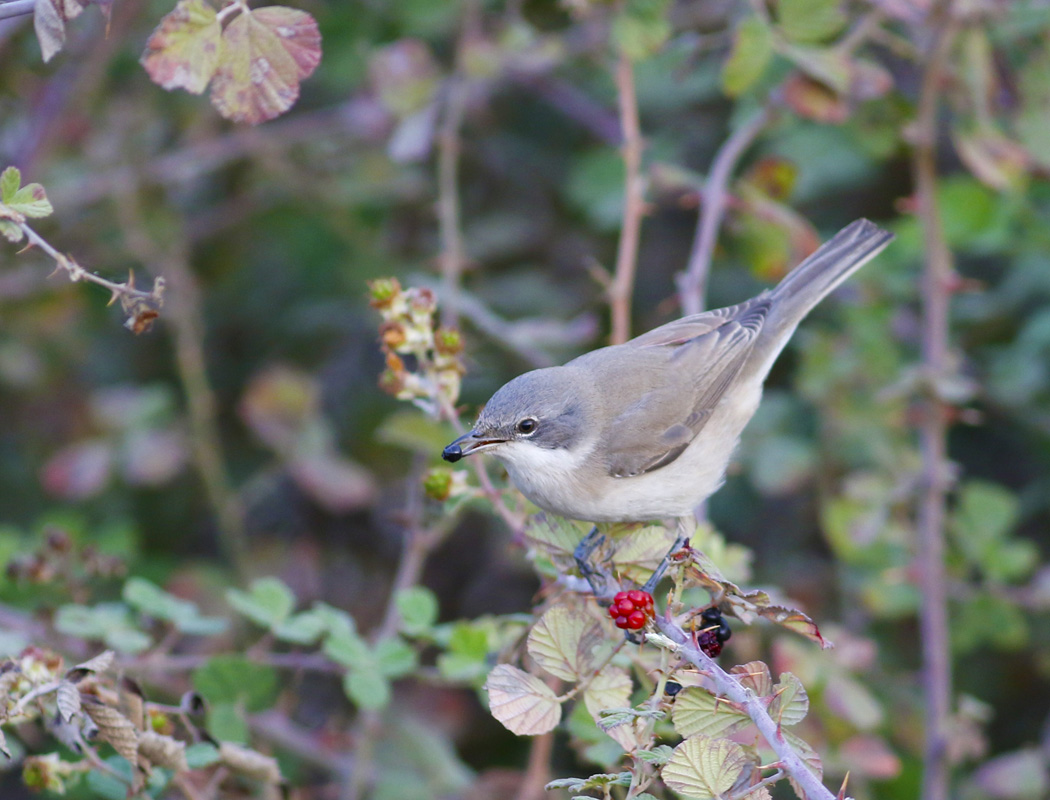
(714, 634)
(631, 609)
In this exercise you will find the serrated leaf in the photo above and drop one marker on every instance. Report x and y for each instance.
(30, 201)
(553, 535)
(115, 728)
(67, 698)
(811, 21)
(827, 65)
(640, 552)
(658, 756)
(563, 642)
(752, 51)
(266, 53)
(183, 51)
(418, 607)
(100, 663)
(611, 688)
(793, 620)
(790, 702)
(523, 703)
(697, 711)
(703, 767)
(267, 602)
(10, 231)
(368, 689)
(337, 622)
(10, 181)
(755, 675)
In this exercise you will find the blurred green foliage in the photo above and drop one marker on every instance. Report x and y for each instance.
(266, 359)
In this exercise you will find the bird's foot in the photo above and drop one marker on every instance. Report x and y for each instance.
(650, 585)
(594, 576)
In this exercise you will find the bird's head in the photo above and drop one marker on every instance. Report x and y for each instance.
(540, 409)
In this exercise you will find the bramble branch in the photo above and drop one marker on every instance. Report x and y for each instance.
(729, 687)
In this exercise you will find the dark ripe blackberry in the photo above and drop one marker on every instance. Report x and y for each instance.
(709, 642)
(724, 633)
(671, 688)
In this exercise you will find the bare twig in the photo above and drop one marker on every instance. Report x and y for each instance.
(538, 771)
(633, 204)
(729, 687)
(78, 273)
(937, 677)
(16, 8)
(453, 252)
(692, 284)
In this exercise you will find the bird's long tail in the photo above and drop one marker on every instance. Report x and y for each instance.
(832, 263)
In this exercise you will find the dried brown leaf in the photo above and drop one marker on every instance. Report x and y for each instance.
(163, 751)
(115, 728)
(249, 762)
(100, 663)
(755, 675)
(67, 698)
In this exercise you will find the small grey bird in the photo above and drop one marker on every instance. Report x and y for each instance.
(644, 430)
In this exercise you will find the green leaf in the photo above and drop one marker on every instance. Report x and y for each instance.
(337, 622)
(30, 201)
(704, 767)
(304, 628)
(790, 703)
(202, 754)
(752, 51)
(111, 786)
(395, 657)
(696, 710)
(641, 28)
(226, 723)
(109, 622)
(183, 51)
(468, 650)
(10, 181)
(367, 689)
(418, 607)
(235, 679)
(563, 642)
(350, 650)
(826, 65)
(268, 601)
(811, 21)
(522, 702)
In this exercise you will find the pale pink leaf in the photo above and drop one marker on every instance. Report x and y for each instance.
(522, 702)
(183, 51)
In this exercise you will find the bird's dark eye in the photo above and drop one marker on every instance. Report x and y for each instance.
(527, 426)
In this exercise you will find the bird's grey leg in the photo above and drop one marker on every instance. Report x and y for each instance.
(661, 568)
(582, 555)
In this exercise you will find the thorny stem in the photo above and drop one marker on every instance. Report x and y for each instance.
(16, 8)
(78, 273)
(937, 676)
(714, 197)
(729, 687)
(633, 204)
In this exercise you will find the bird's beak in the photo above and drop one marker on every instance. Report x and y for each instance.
(469, 443)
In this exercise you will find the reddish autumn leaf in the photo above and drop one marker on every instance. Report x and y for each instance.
(267, 53)
(183, 51)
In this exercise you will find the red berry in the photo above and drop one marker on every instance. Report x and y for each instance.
(621, 622)
(636, 620)
(614, 612)
(637, 596)
(619, 596)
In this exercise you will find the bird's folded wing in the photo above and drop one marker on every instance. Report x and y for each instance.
(689, 383)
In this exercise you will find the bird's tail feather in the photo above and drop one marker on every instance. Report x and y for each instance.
(832, 263)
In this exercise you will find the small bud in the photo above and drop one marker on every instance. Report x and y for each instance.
(58, 540)
(437, 483)
(391, 382)
(448, 341)
(423, 300)
(392, 334)
(382, 292)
